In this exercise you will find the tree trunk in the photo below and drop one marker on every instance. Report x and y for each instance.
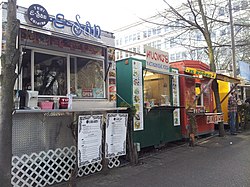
(7, 79)
(218, 106)
(132, 151)
(215, 87)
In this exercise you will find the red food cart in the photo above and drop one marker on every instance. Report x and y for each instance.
(196, 97)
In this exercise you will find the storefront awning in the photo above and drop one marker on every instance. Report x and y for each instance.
(62, 35)
(226, 78)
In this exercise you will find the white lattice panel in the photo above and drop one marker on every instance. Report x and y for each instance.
(89, 169)
(114, 162)
(44, 168)
(47, 168)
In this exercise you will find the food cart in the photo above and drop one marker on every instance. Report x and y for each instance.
(64, 98)
(153, 89)
(197, 97)
(226, 85)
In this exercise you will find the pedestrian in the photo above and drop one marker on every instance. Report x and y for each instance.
(247, 100)
(232, 111)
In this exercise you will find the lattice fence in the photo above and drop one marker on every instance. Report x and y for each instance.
(47, 168)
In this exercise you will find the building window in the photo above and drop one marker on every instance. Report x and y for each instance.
(138, 36)
(244, 5)
(145, 35)
(117, 55)
(130, 38)
(138, 49)
(149, 32)
(126, 39)
(184, 55)
(158, 30)
(236, 7)
(130, 54)
(178, 56)
(126, 55)
(172, 57)
(198, 36)
(158, 44)
(154, 31)
(134, 37)
(172, 42)
(221, 11)
(223, 32)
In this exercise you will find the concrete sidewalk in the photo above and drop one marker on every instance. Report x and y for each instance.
(212, 162)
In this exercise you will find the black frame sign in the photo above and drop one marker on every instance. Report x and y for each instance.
(38, 15)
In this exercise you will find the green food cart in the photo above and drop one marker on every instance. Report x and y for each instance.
(155, 95)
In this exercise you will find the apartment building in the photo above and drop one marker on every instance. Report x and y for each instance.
(163, 32)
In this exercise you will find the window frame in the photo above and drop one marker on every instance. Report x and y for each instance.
(68, 56)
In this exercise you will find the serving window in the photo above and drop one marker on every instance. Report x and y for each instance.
(86, 77)
(156, 89)
(49, 75)
(46, 72)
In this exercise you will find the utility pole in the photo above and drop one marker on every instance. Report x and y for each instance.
(232, 39)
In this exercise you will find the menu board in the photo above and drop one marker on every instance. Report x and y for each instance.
(137, 95)
(176, 97)
(89, 139)
(116, 129)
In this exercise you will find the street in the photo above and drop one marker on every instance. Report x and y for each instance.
(212, 162)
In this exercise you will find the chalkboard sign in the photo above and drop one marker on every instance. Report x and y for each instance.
(38, 15)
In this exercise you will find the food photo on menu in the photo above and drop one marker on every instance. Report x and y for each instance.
(136, 82)
(112, 74)
(136, 99)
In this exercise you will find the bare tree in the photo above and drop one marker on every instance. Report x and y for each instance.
(9, 59)
(196, 19)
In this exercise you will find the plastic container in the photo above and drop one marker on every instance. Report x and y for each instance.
(63, 103)
(46, 104)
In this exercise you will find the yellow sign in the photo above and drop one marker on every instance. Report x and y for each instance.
(194, 71)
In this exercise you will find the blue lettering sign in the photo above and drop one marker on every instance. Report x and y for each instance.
(39, 16)
(76, 27)
(59, 21)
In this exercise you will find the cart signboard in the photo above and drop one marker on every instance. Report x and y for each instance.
(215, 118)
(156, 59)
(176, 97)
(89, 139)
(116, 130)
(198, 72)
(137, 95)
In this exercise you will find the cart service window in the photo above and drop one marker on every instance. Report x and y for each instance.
(156, 89)
(50, 73)
(87, 77)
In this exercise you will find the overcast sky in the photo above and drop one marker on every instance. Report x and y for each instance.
(108, 14)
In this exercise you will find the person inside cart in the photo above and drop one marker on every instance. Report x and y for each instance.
(232, 111)
(53, 80)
